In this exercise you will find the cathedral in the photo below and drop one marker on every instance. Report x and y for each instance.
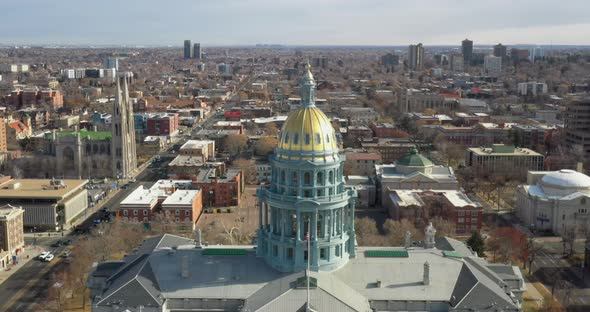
(306, 257)
(86, 153)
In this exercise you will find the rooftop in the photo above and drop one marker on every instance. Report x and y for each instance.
(85, 134)
(181, 197)
(9, 212)
(194, 144)
(40, 188)
(504, 150)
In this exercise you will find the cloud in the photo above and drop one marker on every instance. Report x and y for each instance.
(343, 22)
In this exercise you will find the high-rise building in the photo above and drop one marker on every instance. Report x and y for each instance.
(111, 62)
(536, 53)
(187, 49)
(467, 50)
(416, 56)
(197, 51)
(577, 125)
(457, 63)
(500, 51)
(492, 65)
(124, 158)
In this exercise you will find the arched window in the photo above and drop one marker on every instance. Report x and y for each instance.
(286, 138)
(320, 178)
(283, 176)
(307, 139)
(331, 177)
(306, 178)
(318, 138)
(328, 138)
(294, 179)
(296, 138)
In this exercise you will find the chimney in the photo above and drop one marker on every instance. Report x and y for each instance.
(184, 272)
(426, 276)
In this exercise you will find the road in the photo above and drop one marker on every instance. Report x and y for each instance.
(551, 268)
(24, 288)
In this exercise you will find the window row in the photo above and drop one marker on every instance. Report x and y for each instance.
(307, 138)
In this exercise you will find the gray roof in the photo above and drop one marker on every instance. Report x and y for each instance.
(154, 274)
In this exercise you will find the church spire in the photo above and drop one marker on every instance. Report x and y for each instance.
(308, 88)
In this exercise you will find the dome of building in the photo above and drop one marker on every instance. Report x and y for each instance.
(412, 162)
(307, 134)
(414, 159)
(566, 178)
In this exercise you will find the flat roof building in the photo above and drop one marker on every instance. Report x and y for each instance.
(500, 159)
(48, 204)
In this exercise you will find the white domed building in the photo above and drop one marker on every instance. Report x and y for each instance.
(555, 200)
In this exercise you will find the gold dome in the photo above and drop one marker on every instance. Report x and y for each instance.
(307, 135)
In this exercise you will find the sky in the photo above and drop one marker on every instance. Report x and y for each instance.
(302, 22)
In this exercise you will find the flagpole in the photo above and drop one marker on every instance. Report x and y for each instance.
(308, 258)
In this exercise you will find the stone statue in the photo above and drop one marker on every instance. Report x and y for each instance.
(430, 232)
(408, 239)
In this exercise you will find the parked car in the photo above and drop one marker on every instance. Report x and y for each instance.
(66, 253)
(49, 258)
(56, 244)
(66, 242)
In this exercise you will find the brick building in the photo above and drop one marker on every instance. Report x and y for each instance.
(420, 206)
(35, 96)
(165, 124)
(220, 191)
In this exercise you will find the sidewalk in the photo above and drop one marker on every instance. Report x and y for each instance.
(29, 253)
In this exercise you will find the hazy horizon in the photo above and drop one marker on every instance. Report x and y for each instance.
(301, 23)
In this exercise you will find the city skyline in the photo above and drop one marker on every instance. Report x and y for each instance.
(228, 22)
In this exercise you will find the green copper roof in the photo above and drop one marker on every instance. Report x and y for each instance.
(386, 254)
(224, 252)
(451, 254)
(85, 134)
(414, 159)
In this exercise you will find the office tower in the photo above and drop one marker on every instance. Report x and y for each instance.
(577, 126)
(492, 65)
(124, 159)
(111, 62)
(197, 51)
(536, 53)
(467, 50)
(457, 63)
(187, 49)
(500, 51)
(416, 56)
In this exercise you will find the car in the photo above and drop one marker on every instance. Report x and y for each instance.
(66, 242)
(49, 258)
(66, 253)
(43, 255)
(56, 244)
(96, 222)
(132, 180)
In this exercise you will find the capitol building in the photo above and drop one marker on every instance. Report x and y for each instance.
(305, 256)
(555, 200)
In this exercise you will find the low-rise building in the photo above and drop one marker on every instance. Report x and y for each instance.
(361, 163)
(11, 232)
(165, 124)
(419, 206)
(48, 204)
(413, 172)
(556, 201)
(503, 159)
(220, 190)
(390, 150)
(172, 201)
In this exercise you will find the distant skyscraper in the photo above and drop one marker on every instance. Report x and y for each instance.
(536, 53)
(457, 63)
(187, 49)
(467, 50)
(197, 51)
(416, 56)
(492, 65)
(500, 51)
(111, 62)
